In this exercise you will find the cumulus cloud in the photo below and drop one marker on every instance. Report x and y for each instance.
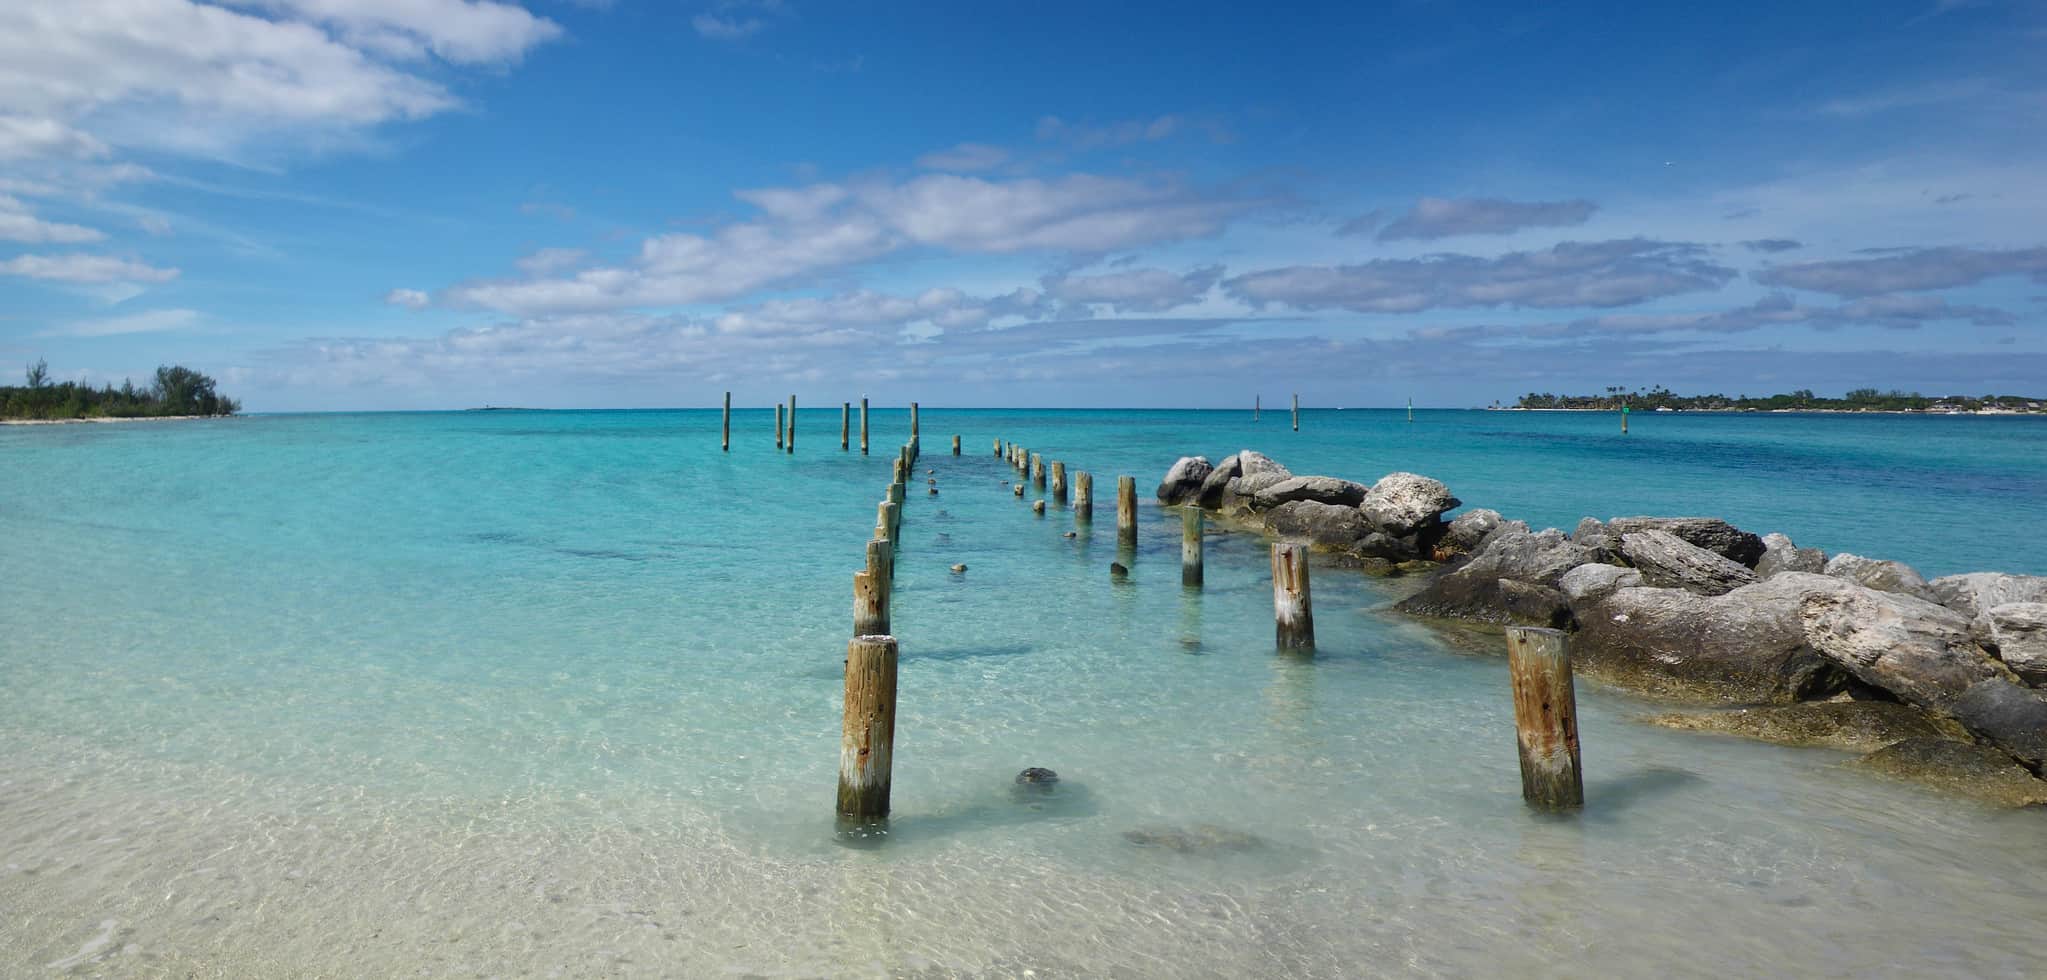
(965, 158)
(805, 230)
(457, 31)
(84, 268)
(1771, 245)
(1440, 217)
(19, 224)
(550, 260)
(1903, 270)
(1135, 290)
(1620, 272)
(411, 299)
(28, 137)
(151, 321)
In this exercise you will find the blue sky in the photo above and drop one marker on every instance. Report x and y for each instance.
(387, 204)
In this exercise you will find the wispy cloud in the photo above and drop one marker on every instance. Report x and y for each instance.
(965, 158)
(1771, 245)
(19, 224)
(734, 20)
(1438, 217)
(1087, 135)
(84, 269)
(1591, 274)
(151, 321)
(1908, 270)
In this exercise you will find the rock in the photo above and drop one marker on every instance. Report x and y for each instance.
(1710, 533)
(1327, 526)
(1038, 507)
(1883, 576)
(2019, 632)
(1857, 726)
(1529, 604)
(1472, 591)
(2011, 717)
(1402, 503)
(1780, 555)
(1976, 592)
(1378, 544)
(957, 569)
(1259, 472)
(1019, 489)
(1184, 479)
(1118, 570)
(1071, 534)
(1669, 562)
(934, 491)
(1216, 484)
(1321, 489)
(1912, 648)
(1975, 771)
(1746, 645)
(1037, 775)
(1469, 530)
(1591, 583)
(1593, 534)
(1202, 838)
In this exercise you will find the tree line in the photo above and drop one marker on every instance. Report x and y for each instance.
(1858, 400)
(175, 390)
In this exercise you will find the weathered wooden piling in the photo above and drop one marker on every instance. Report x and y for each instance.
(867, 742)
(881, 561)
(1038, 507)
(913, 420)
(1126, 509)
(1038, 471)
(1297, 413)
(900, 469)
(863, 426)
(1545, 717)
(778, 425)
(998, 447)
(726, 443)
(885, 521)
(870, 604)
(1059, 483)
(1255, 400)
(845, 425)
(1083, 497)
(792, 423)
(1293, 612)
(955, 445)
(1190, 545)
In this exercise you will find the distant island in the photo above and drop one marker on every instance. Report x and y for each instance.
(175, 392)
(1803, 400)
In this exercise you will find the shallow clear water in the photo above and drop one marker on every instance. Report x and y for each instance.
(558, 693)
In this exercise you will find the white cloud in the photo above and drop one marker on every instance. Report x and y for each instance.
(965, 158)
(18, 224)
(28, 137)
(457, 31)
(411, 299)
(1090, 135)
(84, 268)
(1079, 212)
(1135, 290)
(550, 260)
(719, 27)
(1438, 217)
(1597, 274)
(151, 321)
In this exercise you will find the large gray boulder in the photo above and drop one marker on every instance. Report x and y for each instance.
(1469, 530)
(1594, 534)
(1258, 471)
(1216, 485)
(1184, 479)
(1746, 646)
(1591, 583)
(2011, 717)
(1669, 562)
(2019, 632)
(1912, 648)
(1321, 489)
(1327, 526)
(1975, 592)
(1780, 555)
(1472, 591)
(1881, 575)
(1403, 503)
(1710, 533)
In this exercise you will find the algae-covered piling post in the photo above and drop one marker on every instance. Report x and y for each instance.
(1297, 413)
(867, 741)
(863, 426)
(1059, 483)
(845, 425)
(913, 420)
(998, 447)
(1083, 497)
(1126, 510)
(1545, 717)
(1190, 545)
(726, 443)
(1038, 471)
(1293, 612)
(955, 445)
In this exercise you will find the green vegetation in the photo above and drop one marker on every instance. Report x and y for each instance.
(1802, 400)
(175, 391)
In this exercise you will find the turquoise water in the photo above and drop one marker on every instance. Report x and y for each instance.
(558, 693)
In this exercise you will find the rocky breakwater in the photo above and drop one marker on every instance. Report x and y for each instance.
(1945, 680)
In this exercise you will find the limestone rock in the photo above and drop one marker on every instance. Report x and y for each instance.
(1529, 604)
(1912, 648)
(1975, 771)
(1321, 489)
(1469, 529)
(1857, 726)
(2019, 632)
(2006, 715)
(1710, 533)
(1596, 536)
(1327, 526)
(1780, 555)
(1258, 472)
(1402, 503)
(1747, 645)
(1216, 484)
(1667, 561)
(1184, 479)
(1591, 583)
(1472, 592)
(1883, 576)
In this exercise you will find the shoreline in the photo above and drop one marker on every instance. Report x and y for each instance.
(113, 418)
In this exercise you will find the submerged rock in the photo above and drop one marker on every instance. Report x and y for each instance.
(1184, 479)
(1975, 771)
(1403, 503)
(1780, 555)
(1710, 533)
(1202, 838)
(1746, 645)
(1668, 561)
(1883, 576)
(1472, 592)
(1529, 604)
(1858, 726)
(1327, 526)
(1037, 775)
(1912, 648)
(1320, 489)
(2018, 630)
(2009, 716)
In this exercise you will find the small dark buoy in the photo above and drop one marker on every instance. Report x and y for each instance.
(1037, 775)
(956, 569)
(1117, 570)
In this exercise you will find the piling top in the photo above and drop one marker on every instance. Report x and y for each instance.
(1535, 631)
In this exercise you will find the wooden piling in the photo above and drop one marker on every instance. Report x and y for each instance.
(1297, 413)
(863, 426)
(955, 445)
(778, 425)
(1038, 471)
(1059, 483)
(1545, 717)
(1083, 497)
(1038, 507)
(1126, 509)
(900, 469)
(726, 444)
(1255, 400)
(1190, 545)
(845, 425)
(881, 563)
(998, 447)
(792, 423)
(1293, 612)
(885, 521)
(867, 741)
(870, 604)
(913, 420)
